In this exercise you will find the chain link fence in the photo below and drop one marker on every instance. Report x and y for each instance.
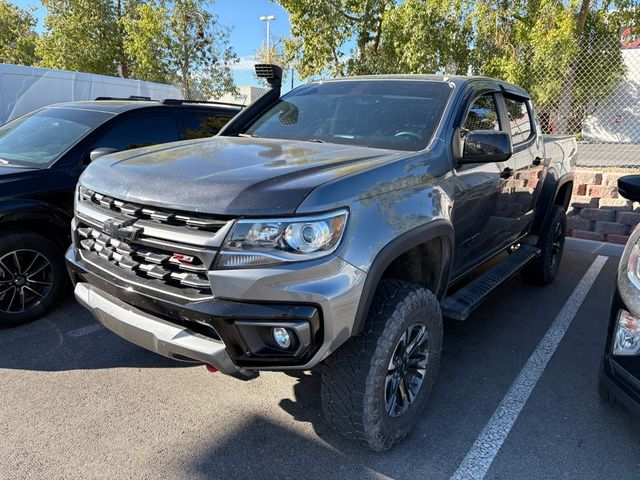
(598, 102)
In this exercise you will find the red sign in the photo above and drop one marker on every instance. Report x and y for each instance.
(629, 38)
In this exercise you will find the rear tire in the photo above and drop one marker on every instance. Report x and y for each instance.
(375, 387)
(32, 277)
(543, 269)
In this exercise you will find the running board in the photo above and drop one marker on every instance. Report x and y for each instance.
(460, 305)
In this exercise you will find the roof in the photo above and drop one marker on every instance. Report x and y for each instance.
(119, 106)
(458, 80)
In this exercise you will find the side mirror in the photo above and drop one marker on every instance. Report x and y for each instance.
(100, 152)
(629, 187)
(486, 146)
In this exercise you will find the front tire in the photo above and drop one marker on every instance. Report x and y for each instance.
(543, 269)
(376, 385)
(32, 277)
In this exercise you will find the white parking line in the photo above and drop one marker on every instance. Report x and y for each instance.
(484, 450)
(85, 330)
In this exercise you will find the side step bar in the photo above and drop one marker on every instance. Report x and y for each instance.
(460, 305)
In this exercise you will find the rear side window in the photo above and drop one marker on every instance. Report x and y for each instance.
(483, 114)
(201, 125)
(140, 132)
(519, 120)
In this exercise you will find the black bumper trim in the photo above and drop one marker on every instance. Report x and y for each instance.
(216, 318)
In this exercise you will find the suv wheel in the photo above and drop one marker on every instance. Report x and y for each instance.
(32, 277)
(376, 385)
(543, 269)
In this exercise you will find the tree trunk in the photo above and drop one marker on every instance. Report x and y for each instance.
(566, 97)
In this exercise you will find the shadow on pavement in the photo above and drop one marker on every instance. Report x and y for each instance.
(50, 344)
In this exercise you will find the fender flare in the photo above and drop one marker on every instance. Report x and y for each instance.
(546, 199)
(49, 216)
(400, 245)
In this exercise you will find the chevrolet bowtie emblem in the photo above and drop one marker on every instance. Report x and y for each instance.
(121, 230)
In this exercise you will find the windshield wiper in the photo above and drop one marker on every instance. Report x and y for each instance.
(316, 140)
(248, 135)
(7, 163)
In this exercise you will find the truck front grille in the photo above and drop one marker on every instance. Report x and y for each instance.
(170, 250)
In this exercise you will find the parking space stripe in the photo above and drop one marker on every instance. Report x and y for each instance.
(478, 460)
(85, 330)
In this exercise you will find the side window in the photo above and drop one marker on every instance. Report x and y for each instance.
(201, 125)
(140, 132)
(483, 114)
(519, 120)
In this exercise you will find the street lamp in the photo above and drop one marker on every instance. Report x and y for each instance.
(268, 19)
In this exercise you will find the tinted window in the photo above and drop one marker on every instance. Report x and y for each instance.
(200, 125)
(394, 114)
(519, 120)
(483, 114)
(140, 132)
(40, 138)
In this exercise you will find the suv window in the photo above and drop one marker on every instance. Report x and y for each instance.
(519, 120)
(483, 114)
(140, 132)
(201, 125)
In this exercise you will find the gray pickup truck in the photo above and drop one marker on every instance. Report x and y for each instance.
(334, 227)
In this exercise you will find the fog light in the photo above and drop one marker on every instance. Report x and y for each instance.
(627, 335)
(282, 337)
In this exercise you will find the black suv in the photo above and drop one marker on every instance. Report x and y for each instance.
(42, 154)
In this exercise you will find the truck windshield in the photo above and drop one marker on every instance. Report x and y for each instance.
(39, 138)
(391, 114)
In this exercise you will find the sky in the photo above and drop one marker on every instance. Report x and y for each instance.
(242, 16)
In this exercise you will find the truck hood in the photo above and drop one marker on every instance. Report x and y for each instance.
(228, 175)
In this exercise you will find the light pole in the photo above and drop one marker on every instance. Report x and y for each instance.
(268, 19)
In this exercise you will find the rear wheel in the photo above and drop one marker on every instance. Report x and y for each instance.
(376, 385)
(543, 269)
(32, 277)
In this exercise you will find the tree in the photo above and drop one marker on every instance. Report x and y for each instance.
(81, 35)
(180, 42)
(17, 37)
(413, 36)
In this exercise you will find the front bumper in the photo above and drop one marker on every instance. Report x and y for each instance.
(168, 339)
(318, 303)
(620, 374)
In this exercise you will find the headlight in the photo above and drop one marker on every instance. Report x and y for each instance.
(255, 243)
(627, 335)
(633, 266)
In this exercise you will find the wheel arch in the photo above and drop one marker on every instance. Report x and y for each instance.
(37, 217)
(404, 250)
(555, 191)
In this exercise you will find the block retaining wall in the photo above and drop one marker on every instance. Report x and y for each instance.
(596, 211)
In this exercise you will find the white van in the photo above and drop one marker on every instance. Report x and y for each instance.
(23, 89)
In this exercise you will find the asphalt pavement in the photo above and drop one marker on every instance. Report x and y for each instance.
(76, 401)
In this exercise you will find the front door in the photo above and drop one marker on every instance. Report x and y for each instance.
(482, 215)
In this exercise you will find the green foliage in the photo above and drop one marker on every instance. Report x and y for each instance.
(17, 37)
(164, 41)
(80, 35)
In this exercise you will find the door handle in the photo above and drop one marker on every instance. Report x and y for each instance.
(507, 173)
(537, 161)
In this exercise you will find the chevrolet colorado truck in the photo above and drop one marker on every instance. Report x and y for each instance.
(334, 226)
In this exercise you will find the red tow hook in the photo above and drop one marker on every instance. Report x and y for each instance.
(211, 368)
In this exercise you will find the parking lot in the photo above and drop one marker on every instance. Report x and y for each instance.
(79, 402)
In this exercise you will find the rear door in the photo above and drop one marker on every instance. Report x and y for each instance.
(528, 162)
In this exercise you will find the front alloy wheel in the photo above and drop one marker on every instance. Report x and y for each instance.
(26, 278)
(406, 370)
(375, 386)
(32, 277)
